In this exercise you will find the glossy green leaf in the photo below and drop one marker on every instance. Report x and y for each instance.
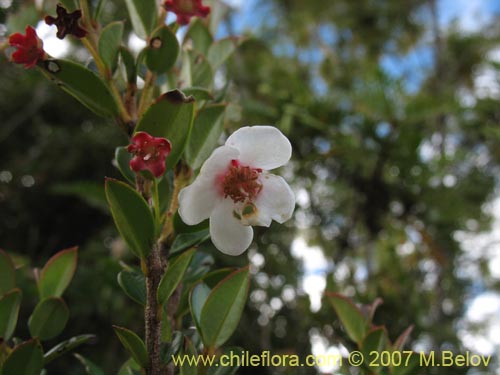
(197, 299)
(221, 50)
(7, 273)
(133, 344)
(350, 316)
(186, 240)
(132, 216)
(57, 273)
(109, 44)
(162, 51)
(90, 367)
(82, 84)
(65, 347)
(9, 312)
(222, 310)
(49, 318)
(122, 158)
(172, 348)
(200, 266)
(198, 36)
(196, 71)
(171, 117)
(143, 14)
(25, 359)
(207, 129)
(133, 284)
(173, 276)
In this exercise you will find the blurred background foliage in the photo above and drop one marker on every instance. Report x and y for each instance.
(394, 120)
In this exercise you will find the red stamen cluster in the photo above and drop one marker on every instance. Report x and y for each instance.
(29, 48)
(67, 23)
(241, 183)
(150, 153)
(185, 9)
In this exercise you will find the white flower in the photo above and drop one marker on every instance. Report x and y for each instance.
(235, 190)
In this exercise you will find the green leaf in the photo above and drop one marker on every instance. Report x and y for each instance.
(49, 318)
(57, 273)
(222, 310)
(143, 14)
(186, 240)
(199, 36)
(219, 369)
(83, 84)
(403, 338)
(196, 71)
(133, 284)
(173, 276)
(65, 347)
(181, 227)
(413, 362)
(197, 299)
(9, 312)
(350, 316)
(70, 5)
(7, 273)
(122, 158)
(207, 128)
(172, 348)
(221, 50)
(132, 216)
(90, 367)
(109, 44)
(25, 359)
(162, 51)
(171, 117)
(133, 344)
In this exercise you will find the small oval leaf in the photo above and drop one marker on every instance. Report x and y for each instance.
(7, 273)
(162, 51)
(90, 367)
(83, 84)
(49, 318)
(132, 216)
(9, 312)
(207, 128)
(171, 117)
(109, 44)
(222, 310)
(184, 241)
(221, 50)
(122, 158)
(143, 14)
(350, 316)
(173, 276)
(57, 273)
(133, 284)
(133, 344)
(25, 359)
(199, 36)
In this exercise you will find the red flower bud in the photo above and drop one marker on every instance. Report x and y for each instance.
(29, 48)
(185, 9)
(67, 23)
(150, 153)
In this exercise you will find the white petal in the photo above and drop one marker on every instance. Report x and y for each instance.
(197, 200)
(276, 201)
(261, 146)
(227, 232)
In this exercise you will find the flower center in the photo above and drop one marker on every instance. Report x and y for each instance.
(241, 183)
(186, 6)
(148, 152)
